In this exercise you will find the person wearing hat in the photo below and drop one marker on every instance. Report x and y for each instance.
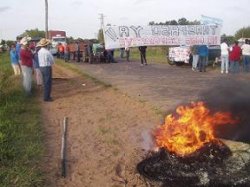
(26, 58)
(46, 61)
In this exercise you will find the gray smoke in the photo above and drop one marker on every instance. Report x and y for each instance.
(231, 95)
(147, 140)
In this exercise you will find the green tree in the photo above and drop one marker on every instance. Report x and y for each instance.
(10, 42)
(2, 42)
(229, 39)
(243, 33)
(34, 33)
(70, 39)
(181, 21)
(151, 23)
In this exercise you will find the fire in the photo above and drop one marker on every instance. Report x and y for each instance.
(190, 129)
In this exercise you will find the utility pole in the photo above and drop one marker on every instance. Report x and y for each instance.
(46, 19)
(102, 20)
(100, 33)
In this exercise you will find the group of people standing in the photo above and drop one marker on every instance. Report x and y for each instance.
(26, 57)
(200, 57)
(230, 57)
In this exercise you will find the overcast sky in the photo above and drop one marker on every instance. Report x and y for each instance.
(80, 18)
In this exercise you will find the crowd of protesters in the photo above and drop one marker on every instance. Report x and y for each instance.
(28, 57)
(230, 57)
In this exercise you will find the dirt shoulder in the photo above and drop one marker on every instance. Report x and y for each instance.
(107, 133)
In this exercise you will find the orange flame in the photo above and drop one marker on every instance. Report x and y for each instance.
(190, 129)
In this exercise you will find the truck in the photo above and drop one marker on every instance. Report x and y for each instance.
(56, 37)
(182, 55)
(179, 55)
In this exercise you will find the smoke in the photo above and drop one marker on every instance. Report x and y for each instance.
(148, 143)
(231, 95)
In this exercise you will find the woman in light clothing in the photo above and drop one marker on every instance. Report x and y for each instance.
(224, 57)
(195, 54)
(127, 50)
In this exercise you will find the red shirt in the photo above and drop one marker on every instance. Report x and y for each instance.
(26, 57)
(235, 53)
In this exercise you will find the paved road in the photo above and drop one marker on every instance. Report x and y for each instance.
(161, 85)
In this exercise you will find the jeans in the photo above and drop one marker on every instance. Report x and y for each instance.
(203, 63)
(246, 63)
(127, 55)
(195, 61)
(47, 81)
(27, 78)
(110, 57)
(66, 56)
(224, 63)
(234, 66)
(143, 58)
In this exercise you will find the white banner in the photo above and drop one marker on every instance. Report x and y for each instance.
(160, 35)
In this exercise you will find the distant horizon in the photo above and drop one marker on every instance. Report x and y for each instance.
(82, 19)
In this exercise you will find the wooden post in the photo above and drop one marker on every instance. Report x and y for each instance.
(63, 147)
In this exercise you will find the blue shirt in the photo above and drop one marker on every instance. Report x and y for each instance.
(13, 56)
(18, 49)
(203, 50)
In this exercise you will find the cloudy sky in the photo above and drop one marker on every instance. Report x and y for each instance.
(80, 18)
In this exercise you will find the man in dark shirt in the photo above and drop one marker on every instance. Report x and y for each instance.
(203, 57)
(142, 50)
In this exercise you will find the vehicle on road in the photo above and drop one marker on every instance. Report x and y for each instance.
(56, 37)
(182, 55)
(179, 55)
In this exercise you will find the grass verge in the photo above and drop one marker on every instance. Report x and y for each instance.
(153, 55)
(21, 145)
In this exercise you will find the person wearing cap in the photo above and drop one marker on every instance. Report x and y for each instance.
(46, 61)
(26, 58)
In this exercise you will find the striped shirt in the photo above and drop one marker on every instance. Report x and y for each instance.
(45, 58)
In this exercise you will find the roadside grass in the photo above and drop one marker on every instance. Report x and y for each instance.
(21, 145)
(153, 55)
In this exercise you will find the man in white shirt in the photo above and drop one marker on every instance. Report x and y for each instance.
(224, 56)
(46, 61)
(246, 55)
